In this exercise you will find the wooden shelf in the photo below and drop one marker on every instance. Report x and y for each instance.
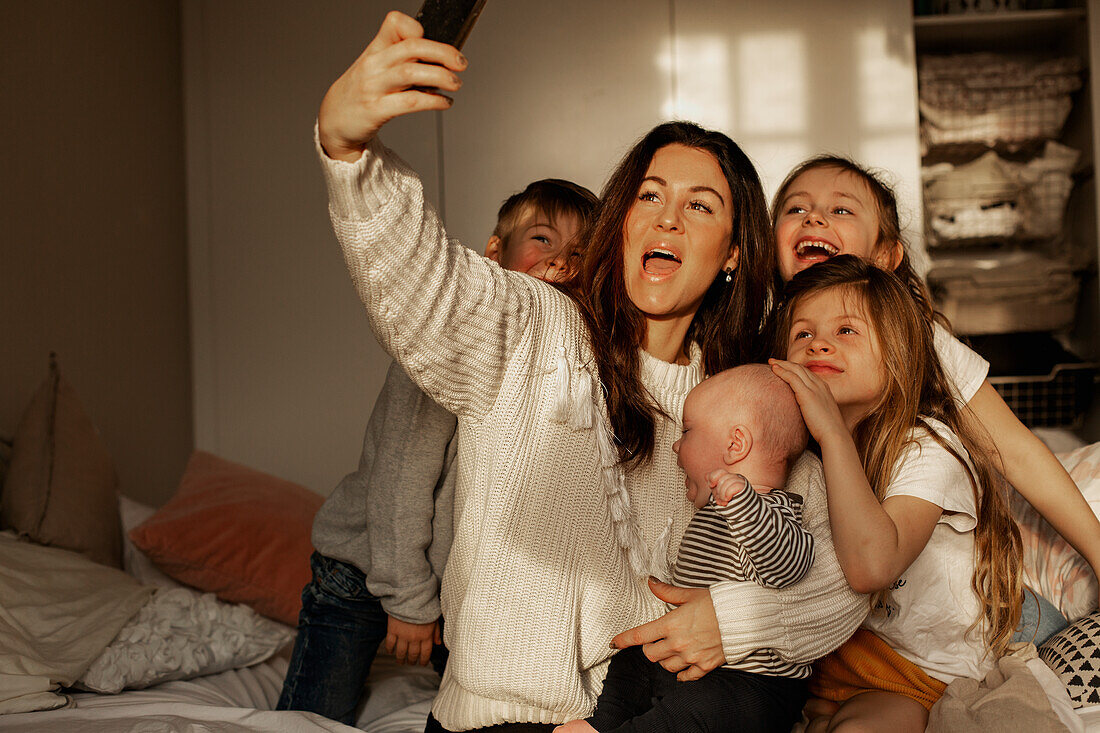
(1016, 16)
(1022, 30)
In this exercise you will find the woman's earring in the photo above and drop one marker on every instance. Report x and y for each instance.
(729, 275)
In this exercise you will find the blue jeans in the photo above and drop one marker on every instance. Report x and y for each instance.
(340, 628)
(1039, 620)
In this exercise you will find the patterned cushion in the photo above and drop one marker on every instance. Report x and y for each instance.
(1051, 566)
(1074, 654)
(180, 634)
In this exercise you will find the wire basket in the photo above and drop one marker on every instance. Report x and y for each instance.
(1013, 123)
(993, 200)
(990, 98)
(1004, 291)
(1058, 399)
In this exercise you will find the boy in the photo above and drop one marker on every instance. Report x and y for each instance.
(383, 535)
(742, 430)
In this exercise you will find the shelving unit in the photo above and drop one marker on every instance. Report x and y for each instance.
(996, 29)
(1048, 32)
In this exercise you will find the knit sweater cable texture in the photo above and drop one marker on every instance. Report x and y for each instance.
(549, 534)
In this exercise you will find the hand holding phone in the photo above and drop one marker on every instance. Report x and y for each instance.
(449, 21)
(376, 87)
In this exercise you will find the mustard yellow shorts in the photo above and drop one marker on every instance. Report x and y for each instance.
(865, 663)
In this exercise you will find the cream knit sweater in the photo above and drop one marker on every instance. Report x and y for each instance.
(552, 541)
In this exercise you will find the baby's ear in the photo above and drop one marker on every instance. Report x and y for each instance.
(494, 248)
(740, 443)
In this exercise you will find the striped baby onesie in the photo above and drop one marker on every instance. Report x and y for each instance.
(755, 537)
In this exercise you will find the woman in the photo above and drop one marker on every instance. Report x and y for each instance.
(568, 494)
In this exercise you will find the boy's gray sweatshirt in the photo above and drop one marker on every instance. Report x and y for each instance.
(393, 518)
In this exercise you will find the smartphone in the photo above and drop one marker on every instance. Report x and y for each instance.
(449, 21)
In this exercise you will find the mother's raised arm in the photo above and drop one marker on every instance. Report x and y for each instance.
(398, 73)
(451, 318)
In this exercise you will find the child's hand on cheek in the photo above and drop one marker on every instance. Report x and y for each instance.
(815, 399)
(725, 485)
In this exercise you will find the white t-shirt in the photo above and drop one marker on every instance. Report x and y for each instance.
(965, 370)
(930, 608)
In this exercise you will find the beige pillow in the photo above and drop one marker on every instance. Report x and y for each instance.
(1051, 566)
(61, 488)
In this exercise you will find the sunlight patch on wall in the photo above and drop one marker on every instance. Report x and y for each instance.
(885, 89)
(887, 107)
(772, 84)
(774, 158)
(701, 89)
(752, 86)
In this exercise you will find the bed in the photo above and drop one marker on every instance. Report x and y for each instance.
(236, 700)
(115, 616)
(84, 646)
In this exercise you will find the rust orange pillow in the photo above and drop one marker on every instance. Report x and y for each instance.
(236, 532)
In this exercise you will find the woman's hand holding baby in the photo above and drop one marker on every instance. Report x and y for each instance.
(686, 640)
(392, 77)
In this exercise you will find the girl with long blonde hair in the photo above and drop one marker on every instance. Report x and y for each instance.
(918, 514)
(829, 205)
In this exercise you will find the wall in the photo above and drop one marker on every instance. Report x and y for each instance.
(93, 256)
(785, 82)
(285, 367)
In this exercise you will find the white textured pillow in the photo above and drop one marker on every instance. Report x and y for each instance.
(180, 634)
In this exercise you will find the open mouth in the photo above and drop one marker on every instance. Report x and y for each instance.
(814, 250)
(660, 262)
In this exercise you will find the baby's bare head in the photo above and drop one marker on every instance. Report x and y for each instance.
(752, 394)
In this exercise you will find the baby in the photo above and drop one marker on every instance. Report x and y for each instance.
(742, 430)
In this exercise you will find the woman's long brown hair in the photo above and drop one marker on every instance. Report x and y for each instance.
(916, 389)
(727, 325)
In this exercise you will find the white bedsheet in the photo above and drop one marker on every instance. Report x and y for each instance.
(400, 697)
(237, 700)
(241, 700)
(1091, 716)
(58, 610)
(170, 717)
